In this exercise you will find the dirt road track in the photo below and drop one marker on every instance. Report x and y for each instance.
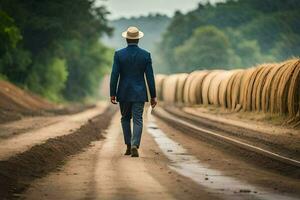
(59, 126)
(19, 170)
(102, 172)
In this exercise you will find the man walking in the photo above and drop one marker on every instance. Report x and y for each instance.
(128, 87)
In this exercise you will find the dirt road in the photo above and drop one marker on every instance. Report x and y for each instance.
(21, 135)
(172, 165)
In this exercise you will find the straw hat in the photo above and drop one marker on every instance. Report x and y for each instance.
(132, 33)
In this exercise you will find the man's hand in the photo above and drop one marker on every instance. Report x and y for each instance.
(153, 102)
(113, 100)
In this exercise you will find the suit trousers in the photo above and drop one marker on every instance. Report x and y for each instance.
(132, 110)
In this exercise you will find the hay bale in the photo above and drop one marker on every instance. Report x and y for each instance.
(271, 87)
(169, 89)
(173, 87)
(214, 87)
(244, 87)
(222, 93)
(281, 85)
(229, 88)
(277, 84)
(200, 79)
(180, 87)
(259, 86)
(266, 92)
(187, 85)
(249, 92)
(206, 84)
(236, 90)
(159, 79)
(195, 96)
(293, 100)
(259, 78)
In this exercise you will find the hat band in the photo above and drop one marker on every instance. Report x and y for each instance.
(130, 34)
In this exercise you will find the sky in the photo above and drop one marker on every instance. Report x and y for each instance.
(129, 8)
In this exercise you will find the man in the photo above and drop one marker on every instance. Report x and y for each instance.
(127, 86)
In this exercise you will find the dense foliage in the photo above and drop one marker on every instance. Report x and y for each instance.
(233, 34)
(52, 47)
(201, 46)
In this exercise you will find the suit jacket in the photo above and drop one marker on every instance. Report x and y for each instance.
(131, 65)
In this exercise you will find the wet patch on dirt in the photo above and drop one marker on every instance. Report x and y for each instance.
(17, 172)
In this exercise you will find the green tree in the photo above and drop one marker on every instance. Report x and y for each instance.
(48, 78)
(287, 46)
(13, 59)
(244, 52)
(9, 33)
(87, 62)
(41, 61)
(15, 64)
(207, 48)
(255, 29)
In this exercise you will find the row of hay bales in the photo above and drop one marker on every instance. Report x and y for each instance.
(273, 88)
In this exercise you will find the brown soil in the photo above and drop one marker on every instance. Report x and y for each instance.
(252, 127)
(103, 172)
(243, 134)
(231, 163)
(16, 141)
(15, 103)
(263, 121)
(18, 171)
(14, 128)
(14, 98)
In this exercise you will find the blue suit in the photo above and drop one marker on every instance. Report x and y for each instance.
(131, 65)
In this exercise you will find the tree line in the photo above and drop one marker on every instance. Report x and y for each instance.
(53, 48)
(232, 34)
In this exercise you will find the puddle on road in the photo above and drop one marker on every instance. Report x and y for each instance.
(189, 166)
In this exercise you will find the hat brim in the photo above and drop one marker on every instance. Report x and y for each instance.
(124, 35)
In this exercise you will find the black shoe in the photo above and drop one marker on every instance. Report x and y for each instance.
(134, 152)
(128, 150)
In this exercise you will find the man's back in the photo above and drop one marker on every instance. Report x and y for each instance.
(130, 66)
